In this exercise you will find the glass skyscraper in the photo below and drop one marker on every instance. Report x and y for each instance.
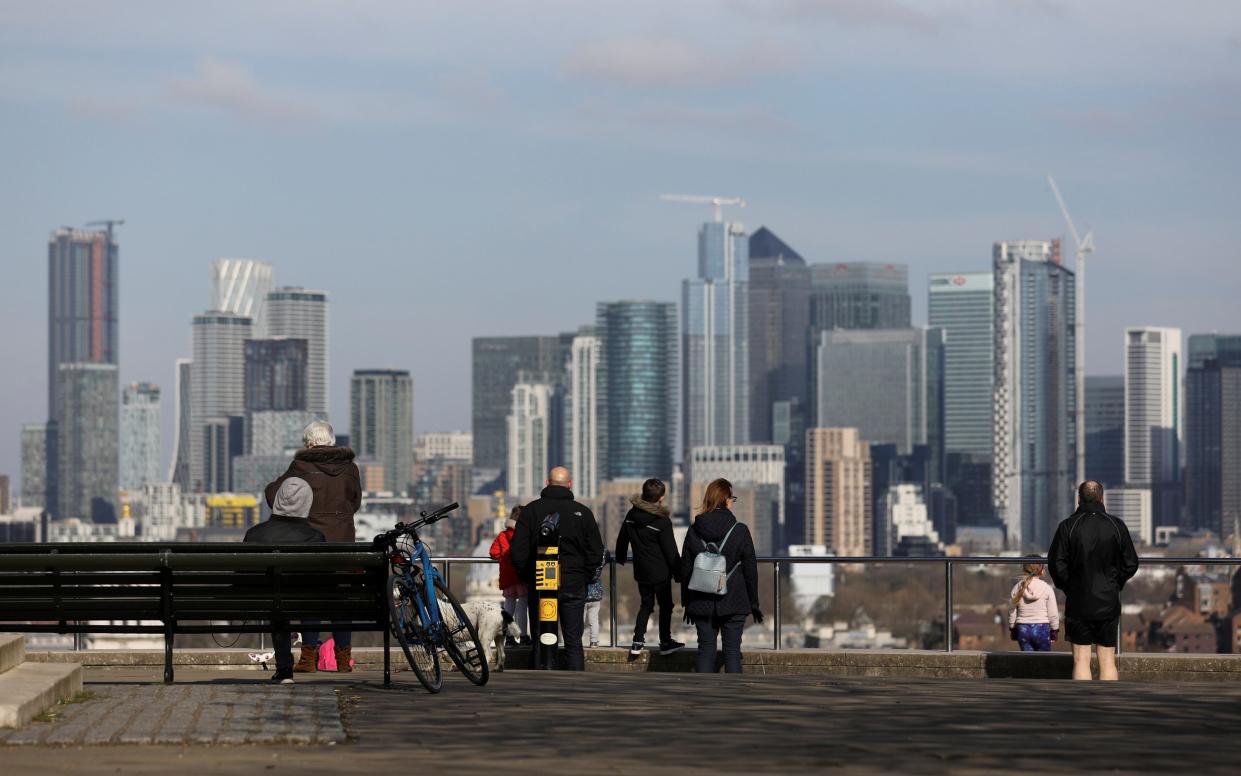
(495, 365)
(637, 389)
(962, 305)
(1153, 417)
(381, 423)
(241, 286)
(217, 393)
(86, 401)
(1213, 434)
(715, 377)
(1035, 464)
(779, 316)
(140, 436)
(1105, 429)
(300, 313)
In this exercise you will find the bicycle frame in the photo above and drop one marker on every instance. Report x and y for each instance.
(430, 612)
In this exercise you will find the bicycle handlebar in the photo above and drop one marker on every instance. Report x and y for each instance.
(425, 518)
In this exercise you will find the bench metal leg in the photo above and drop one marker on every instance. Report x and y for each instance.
(168, 656)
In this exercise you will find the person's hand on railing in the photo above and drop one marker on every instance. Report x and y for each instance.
(757, 614)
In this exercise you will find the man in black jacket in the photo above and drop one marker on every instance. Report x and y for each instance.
(655, 563)
(580, 554)
(287, 525)
(1091, 558)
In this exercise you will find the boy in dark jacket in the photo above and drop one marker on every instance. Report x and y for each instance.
(287, 525)
(656, 563)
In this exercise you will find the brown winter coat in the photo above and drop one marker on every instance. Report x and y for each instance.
(337, 488)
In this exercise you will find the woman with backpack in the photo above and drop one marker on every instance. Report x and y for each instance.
(719, 574)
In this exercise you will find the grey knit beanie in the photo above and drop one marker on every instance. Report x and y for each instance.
(294, 498)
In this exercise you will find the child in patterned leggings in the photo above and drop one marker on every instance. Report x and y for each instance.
(1033, 618)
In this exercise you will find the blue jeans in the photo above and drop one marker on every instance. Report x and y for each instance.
(343, 638)
(1034, 636)
(729, 629)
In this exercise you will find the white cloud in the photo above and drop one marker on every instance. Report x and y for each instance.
(641, 62)
(232, 88)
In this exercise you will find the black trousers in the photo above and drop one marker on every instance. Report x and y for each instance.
(572, 609)
(650, 592)
(282, 643)
(728, 629)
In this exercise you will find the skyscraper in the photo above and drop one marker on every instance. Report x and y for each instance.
(532, 431)
(495, 364)
(1153, 417)
(961, 304)
(885, 382)
(582, 414)
(34, 465)
(859, 295)
(1213, 434)
(381, 423)
(299, 313)
(1105, 429)
(179, 468)
(140, 436)
(86, 402)
(1035, 402)
(637, 389)
(745, 466)
(715, 377)
(839, 501)
(779, 316)
(83, 271)
(276, 372)
(217, 387)
(240, 286)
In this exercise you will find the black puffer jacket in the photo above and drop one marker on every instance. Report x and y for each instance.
(1091, 558)
(279, 529)
(742, 595)
(336, 483)
(648, 529)
(580, 545)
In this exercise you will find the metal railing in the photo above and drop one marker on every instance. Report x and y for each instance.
(780, 561)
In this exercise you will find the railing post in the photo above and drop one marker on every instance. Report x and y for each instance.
(448, 575)
(612, 597)
(948, 606)
(775, 614)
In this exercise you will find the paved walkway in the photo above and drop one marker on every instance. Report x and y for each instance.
(655, 723)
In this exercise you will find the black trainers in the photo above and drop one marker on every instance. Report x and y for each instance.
(282, 677)
(637, 647)
(668, 647)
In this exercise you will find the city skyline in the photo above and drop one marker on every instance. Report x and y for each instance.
(203, 146)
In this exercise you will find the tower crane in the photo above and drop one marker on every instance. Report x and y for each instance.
(1083, 246)
(716, 203)
(108, 222)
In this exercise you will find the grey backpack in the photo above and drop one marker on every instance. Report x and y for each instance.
(710, 574)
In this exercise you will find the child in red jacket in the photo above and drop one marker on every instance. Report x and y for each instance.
(516, 594)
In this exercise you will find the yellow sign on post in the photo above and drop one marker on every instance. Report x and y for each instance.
(547, 570)
(548, 611)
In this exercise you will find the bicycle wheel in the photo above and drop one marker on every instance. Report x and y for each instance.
(461, 640)
(415, 639)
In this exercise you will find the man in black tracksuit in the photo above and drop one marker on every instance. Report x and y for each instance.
(655, 563)
(1090, 559)
(581, 550)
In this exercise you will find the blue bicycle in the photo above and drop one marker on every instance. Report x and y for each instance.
(425, 616)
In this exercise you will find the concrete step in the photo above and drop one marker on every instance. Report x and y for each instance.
(31, 688)
(12, 652)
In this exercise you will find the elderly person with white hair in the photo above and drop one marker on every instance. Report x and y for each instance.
(336, 486)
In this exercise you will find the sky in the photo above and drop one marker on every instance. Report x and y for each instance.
(451, 170)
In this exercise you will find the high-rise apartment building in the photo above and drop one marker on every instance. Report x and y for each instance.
(582, 408)
(1213, 434)
(381, 423)
(240, 286)
(83, 286)
(888, 383)
(495, 364)
(748, 466)
(87, 432)
(533, 430)
(839, 501)
(715, 340)
(1105, 429)
(638, 366)
(1035, 401)
(140, 436)
(34, 465)
(217, 390)
(779, 317)
(1153, 417)
(444, 445)
(179, 467)
(276, 372)
(1132, 505)
(300, 313)
(961, 304)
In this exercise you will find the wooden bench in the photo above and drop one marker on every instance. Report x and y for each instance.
(173, 588)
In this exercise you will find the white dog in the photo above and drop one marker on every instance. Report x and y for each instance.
(493, 625)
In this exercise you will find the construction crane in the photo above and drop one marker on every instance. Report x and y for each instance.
(108, 222)
(716, 203)
(1082, 246)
